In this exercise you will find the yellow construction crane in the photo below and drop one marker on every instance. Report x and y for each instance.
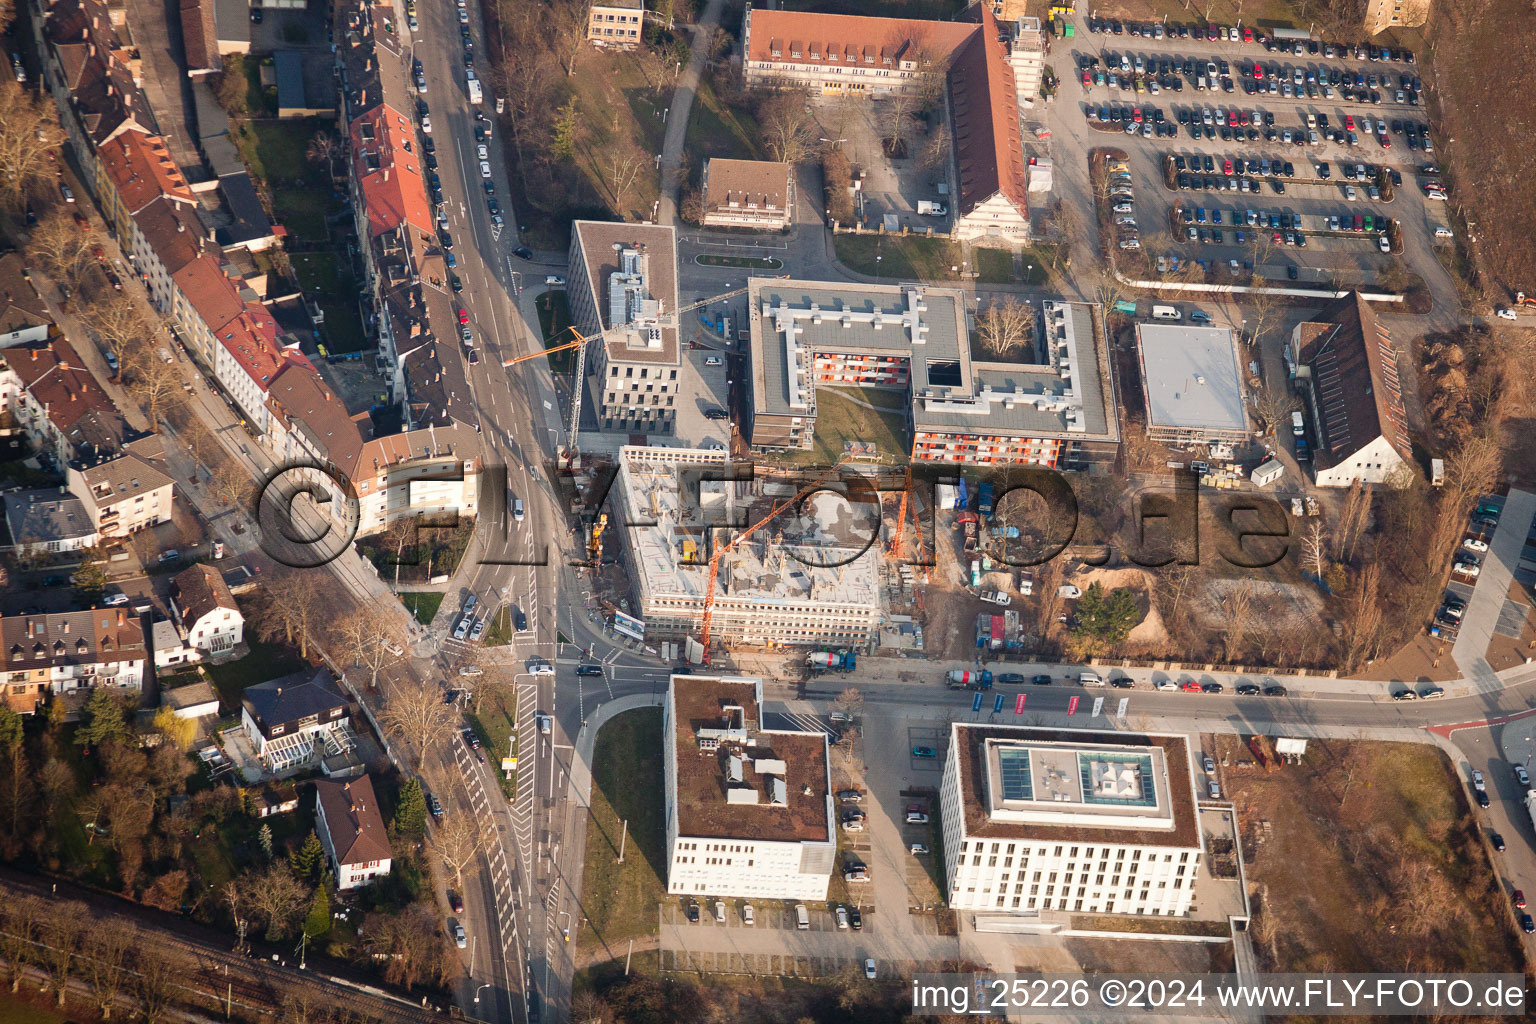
(714, 560)
(666, 320)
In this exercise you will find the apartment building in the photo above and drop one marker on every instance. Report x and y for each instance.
(351, 828)
(24, 316)
(616, 24)
(622, 290)
(835, 54)
(1069, 820)
(749, 810)
(63, 652)
(1192, 384)
(1052, 407)
(800, 581)
(46, 522)
(53, 397)
(124, 492)
(1346, 371)
(756, 194)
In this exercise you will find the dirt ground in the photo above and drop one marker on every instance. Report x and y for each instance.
(1366, 857)
(1150, 630)
(1487, 155)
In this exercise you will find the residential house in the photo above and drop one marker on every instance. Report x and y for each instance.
(352, 831)
(204, 608)
(296, 720)
(57, 401)
(62, 652)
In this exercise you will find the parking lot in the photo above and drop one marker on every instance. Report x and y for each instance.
(1344, 112)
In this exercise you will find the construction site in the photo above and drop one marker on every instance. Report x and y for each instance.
(726, 559)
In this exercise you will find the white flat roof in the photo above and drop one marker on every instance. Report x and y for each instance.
(1191, 377)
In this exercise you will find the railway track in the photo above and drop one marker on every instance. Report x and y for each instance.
(212, 979)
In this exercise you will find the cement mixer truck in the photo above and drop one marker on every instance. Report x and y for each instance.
(965, 679)
(835, 661)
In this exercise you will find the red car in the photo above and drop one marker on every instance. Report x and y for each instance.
(1258, 72)
(1349, 122)
(455, 902)
(1087, 79)
(1136, 114)
(1226, 168)
(1386, 143)
(1519, 899)
(463, 315)
(1247, 35)
(1190, 686)
(1231, 119)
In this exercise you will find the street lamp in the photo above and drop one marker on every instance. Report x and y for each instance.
(482, 988)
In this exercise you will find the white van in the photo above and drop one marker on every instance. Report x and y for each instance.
(1166, 313)
(1090, 679)
(802, 918)
(1298, 425)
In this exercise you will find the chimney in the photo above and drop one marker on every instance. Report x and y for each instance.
(122, 618)
(181, 226)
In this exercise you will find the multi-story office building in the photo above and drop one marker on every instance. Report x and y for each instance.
(1069, 820)
(623, 293)
(1054, 406)
(749, 810)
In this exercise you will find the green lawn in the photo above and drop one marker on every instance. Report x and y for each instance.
(266, 661)
(555, 321)
(499, 632)
(715, 129)
(274, 151)
(495, 722)
(343, 327)
(839, 420)
(621, 899)
(910, 258)
(302, 211)
(318, 272)
(995, 265)
(423, 604)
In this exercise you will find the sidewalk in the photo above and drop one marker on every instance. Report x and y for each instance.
(677, 118)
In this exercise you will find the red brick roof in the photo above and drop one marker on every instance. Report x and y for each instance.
(389, 172)
(251, 339)
(352, 818)
(985, 106)
(984, 109)
(56, 378)
(819, 38)
(141, 169)
(210, 291)
(198, 35)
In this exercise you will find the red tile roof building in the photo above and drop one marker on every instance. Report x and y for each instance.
(57, 401)
(388, 172)
(863, 56)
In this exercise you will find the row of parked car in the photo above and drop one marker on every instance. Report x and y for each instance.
(1122, 197)
(1246, 34)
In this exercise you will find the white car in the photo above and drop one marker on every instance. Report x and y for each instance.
(1505, 313)
(1473, 544)
(463, 16)
(540, 667)
(485, 169)
(426, 124)
(869, 969)
(113, 600)
(748, 917)
(1166, 684)
(462, 629)
(1384, 243)
(482, 152)
(1468, 568)
(1350, 193)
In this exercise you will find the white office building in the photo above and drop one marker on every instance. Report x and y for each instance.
(1069, 820)
(749, 810)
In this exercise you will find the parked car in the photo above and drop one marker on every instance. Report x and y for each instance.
(924, 752)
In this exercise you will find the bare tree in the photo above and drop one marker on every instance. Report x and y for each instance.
(850, 702)
(1004, 326)
(460, 840)
(156, 384)
(1239, 608)
(566, 24)
(1274, 407)
(290, 608)
(230, 484)
(61, 933)
(154, 986)
(28, 133)
(107, 952)
(1352, 516)
(935, 152)
(322, 149)
(22, 915)
(622, 164)
(416, 712)
(119, 322)
(363, 636)
(1314, 548)
(60, 249)
(277, 897)
(788, 128)
(1364, 621)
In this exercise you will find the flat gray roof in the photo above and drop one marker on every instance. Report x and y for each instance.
(1191, 377)
(1064, 391)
